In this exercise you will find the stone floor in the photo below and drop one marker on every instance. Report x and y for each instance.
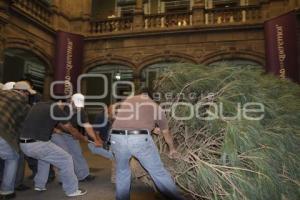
(99, 189)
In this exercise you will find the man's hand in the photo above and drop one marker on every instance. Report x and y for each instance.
(173, 154)
(57, 131)
(73, 131)
(156, 131)
(169, 140)
(98, 143)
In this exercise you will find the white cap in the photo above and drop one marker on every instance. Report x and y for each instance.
(8, 86)
(23, 85)
(1, 86)
(78, 100)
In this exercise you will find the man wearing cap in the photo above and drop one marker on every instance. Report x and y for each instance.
(70, 144)
(130, 136)
(13, 110)
(32, 163)
(35, 142)
(8, 86)
(19, 186)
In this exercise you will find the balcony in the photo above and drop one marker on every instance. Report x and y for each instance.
(168, 20)
(112, 25)
(197, 18)
(242, 15)
(231, 15)
(34, 9)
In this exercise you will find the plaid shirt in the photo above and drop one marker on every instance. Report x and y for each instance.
(13, 110)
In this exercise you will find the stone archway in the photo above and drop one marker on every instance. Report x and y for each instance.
(114, 70)
(106, 60)
(36, 51)
(153, 65)
(232, 55)
(167, 56)
(27, 45)
(20, 64)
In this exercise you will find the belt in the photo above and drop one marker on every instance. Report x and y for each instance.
(27, 140)
(130, 132)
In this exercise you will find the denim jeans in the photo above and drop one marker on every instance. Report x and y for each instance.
(100, 151)
(72, 146)
(20, 171)
(11, 159)
(33, 166)
(144, 149)
(49, 153)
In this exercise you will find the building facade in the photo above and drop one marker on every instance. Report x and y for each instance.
(132, 39)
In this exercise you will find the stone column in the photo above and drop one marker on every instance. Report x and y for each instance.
(86, 16)
(138, 18)
(137, 79)
(139, 6)
(198, 12)
(55, 8)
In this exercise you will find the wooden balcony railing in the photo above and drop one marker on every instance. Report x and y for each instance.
(242, 14)
(168, 20)
(112, 25)
(34, 8)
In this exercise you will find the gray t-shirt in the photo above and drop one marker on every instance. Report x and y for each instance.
(39, 123)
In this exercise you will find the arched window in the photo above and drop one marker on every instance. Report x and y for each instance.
(235, 62)
(21, 64)
(152, 72)
(113, 73)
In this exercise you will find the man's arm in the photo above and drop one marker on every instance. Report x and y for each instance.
(90, 131)
(162, 123)
(73, 131)
(169, 140)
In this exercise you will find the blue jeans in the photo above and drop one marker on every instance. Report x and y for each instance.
(72, 146)
(100, 151)
(144, 149)
(49, 153)
(20, 170)
(11, 159)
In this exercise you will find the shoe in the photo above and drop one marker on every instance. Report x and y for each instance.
(6, 192)
(88, 178)
(22, 187)
(40, 189)
(79, 192)
(7, 195)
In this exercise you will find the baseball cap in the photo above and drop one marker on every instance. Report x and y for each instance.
(78, 100)
(8, 86)
(23, 85)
